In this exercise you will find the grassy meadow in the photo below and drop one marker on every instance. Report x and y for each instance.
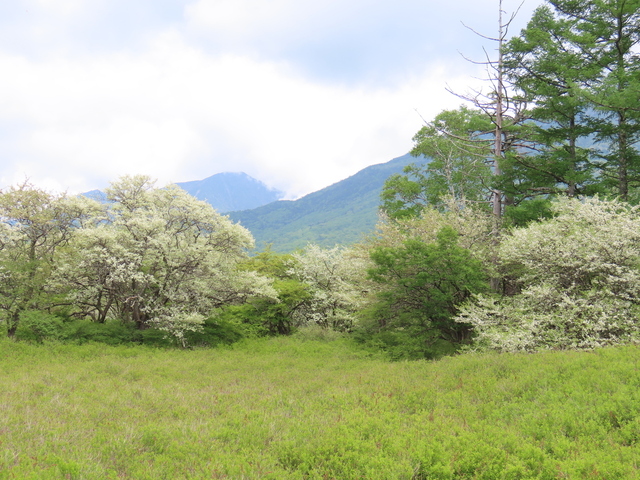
(289, 408)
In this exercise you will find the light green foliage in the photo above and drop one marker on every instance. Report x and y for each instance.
(282, 316)
(163, 259)
(333, 277)
(474, 227)
(284, 408)
(456, 171)
(35, 225)
(271, 315)
(578, 278)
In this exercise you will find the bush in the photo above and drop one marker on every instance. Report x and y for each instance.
(423, 285)
(576, 280)
(404, 343)
(542, 317)
(36, 326)
(111, 333)
(216, 331)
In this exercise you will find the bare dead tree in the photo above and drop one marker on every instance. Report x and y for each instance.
(499, 104)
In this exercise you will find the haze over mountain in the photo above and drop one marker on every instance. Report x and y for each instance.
(231, 191)
(339, 214)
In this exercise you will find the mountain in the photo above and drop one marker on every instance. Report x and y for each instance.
(339, 214)
(97, 195)
(231, 191)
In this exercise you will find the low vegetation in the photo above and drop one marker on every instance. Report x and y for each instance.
(303, 407)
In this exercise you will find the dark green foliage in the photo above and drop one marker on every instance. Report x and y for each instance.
(422, 286)
(576, 64)
(550, 73)
(110, 333)
(152, 337)
(606, 34)
(528, 211)
(41, 326)
(215, 332)
(37, 326)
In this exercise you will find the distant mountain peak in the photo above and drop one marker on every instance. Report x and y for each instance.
(232, 191)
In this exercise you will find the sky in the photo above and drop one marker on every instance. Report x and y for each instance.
(299, 94)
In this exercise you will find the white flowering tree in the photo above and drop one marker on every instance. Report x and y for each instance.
(161, 258)
(334, 278)
(577, 279)
(473, 225)
(34, 226)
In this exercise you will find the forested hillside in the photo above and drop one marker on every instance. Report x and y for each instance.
(340, 214)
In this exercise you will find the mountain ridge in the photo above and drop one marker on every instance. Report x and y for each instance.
(341, 213)
(221, 191)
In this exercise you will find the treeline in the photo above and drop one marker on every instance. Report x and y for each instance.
(560, 116)
(151, 264)
(156, 266)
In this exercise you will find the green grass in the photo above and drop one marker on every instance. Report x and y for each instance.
(285, 408)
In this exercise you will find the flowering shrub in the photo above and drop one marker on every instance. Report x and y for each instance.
(163, 259)
(578, 281)
(333, 277)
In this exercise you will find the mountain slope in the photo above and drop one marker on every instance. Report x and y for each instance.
(339, 214)
(231, 191)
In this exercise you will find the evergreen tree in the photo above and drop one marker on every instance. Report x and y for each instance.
(576, 64)
(548, 71)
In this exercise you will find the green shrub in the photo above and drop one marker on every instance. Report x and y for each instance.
(111, 333)
(404, 343)
(39, 326)
(152, 337)
(422, 286)
(216, 331)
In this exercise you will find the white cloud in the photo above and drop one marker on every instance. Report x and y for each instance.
(253, 19)
(178, 110)
(174, 111)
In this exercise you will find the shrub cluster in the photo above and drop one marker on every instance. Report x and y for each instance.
(156, 266)
(577, 281)
(569, 281)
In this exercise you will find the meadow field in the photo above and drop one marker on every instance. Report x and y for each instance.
(290, 408)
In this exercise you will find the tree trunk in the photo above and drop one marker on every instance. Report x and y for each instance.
(14, 321)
